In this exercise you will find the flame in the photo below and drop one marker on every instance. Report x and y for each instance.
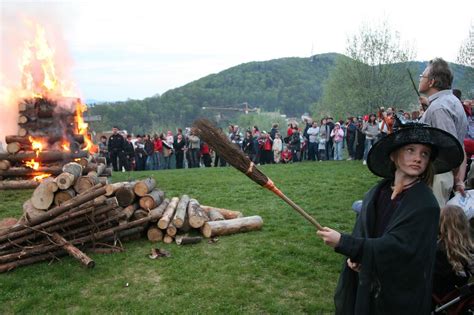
(32, 164)
(37, 145)
(65, 146)
(40, 177)
(82, 126)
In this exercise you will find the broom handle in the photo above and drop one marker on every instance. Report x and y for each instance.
(270, 186)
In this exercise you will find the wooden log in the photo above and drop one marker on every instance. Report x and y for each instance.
(140, 213)
(4, 165)
(31, 260)
(84, 161)
(228, 214)
(161, 209)
(168, 239)
(30, 211)
(22, 119)
(154, 234)
(167, 216)
(15, 147)
(129, 210)
(185, 240)
(144, 187)
(25, 139)
(215, 215)
(43, 156)
(125, 194)
(103, 180)
(84, 183)
(29, 172)
(226, 227)
(197, 216)
(73, 251)
(100, 160)
(110, 189)
(65, 180)
(18, 184)
(152, 199)
(73, 168)
(181, 210)
(64, 195)
(171, 230)
(26, 104)
(43, 196)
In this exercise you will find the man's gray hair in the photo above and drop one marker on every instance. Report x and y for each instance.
(440, 72)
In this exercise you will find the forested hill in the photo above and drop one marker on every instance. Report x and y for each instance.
(288, 85)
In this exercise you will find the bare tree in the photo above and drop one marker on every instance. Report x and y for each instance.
(466, 51)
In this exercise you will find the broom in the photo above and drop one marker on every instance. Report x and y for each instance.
(215, 138)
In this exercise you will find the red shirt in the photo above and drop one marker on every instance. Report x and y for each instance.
(204, 149)
(158, 145)
(267, 145)
(286, 155)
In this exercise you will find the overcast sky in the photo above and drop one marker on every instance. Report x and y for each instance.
(135, 49)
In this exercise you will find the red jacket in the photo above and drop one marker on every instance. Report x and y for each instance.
(204, 149)
(158, 145)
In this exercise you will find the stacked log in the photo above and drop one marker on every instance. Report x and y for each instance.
(61, 221)
(54, 125)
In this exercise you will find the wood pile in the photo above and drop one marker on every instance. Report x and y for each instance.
(68, 216)
(54, 127)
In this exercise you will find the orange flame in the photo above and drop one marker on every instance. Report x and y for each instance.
(82, 126)
(66, 146)
(37, 145)
(32, 164)
(40, 177)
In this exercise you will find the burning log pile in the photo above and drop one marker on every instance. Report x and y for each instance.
(51, 134)
(65, 216)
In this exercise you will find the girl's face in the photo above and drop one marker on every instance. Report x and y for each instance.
(412, 159)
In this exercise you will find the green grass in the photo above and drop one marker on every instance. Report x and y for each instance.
(284, 268)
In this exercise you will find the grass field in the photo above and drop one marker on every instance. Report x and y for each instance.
(284, 268)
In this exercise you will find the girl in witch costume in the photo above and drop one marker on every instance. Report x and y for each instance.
(390, 254)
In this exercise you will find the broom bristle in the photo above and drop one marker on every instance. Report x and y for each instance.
(227, 150)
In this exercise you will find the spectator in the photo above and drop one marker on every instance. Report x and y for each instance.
(179, 147)
(150, 153)
(115, 147)
(194, 147)
(129, 152)
(277, 147)
(286, 156)
(248, 145)
(445, 112)
(140, 154)
(205, 153)
(295, 144)
(329, 142)
(350, 138)
(371, 131)
(337, 136)
(103, 149)
(274, 131)
(167, 150)
(313, 134)
(454, 255)
(266, 152)
(158, 152)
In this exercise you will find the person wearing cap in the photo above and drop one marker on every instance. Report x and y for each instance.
(389, 256)
(445, 112)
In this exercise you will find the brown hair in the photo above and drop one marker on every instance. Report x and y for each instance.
(454, 235)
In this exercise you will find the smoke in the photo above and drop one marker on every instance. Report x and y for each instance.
(18, 21)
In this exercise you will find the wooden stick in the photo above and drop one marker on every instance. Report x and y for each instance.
(73, 250)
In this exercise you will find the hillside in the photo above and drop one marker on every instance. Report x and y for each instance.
(288, 85)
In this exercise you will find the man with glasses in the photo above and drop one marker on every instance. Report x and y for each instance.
(444, 111)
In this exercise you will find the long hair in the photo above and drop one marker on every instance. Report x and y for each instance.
(454, 235)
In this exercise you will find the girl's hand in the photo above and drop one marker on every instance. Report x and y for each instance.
(354, 266)
(330, 236)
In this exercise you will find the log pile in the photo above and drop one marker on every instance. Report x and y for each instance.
(63, 217)
(53, 126)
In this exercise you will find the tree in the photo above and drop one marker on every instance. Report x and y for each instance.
(466, 51)
(374, 75)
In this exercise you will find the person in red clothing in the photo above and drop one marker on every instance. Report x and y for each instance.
(267, 153)
(206, 154)
(286, 156)
(158, 152)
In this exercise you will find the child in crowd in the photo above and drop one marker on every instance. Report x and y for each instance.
(277, 147)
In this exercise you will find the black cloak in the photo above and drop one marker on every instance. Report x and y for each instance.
(396, 268)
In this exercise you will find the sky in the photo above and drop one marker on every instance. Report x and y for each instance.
(116, 50)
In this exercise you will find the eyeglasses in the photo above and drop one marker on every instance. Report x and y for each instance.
(423, 76)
